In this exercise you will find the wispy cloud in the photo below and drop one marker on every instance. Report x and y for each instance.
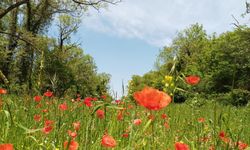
(157, 21)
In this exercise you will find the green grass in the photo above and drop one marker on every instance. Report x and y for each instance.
(18, 127)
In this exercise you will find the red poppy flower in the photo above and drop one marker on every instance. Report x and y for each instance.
(37, 118)
(120, 115)
(201, 120)
(78, 99)
(87, 102)
(164, 116)
(125, 135)
(117, 101)
(3, 91)
(241, 145)
(39, 105)
(45, 110)
(181, 146)
(6, 146)
(108, 141)
(73, 145)
(63, 107)
(88, 99)
(222, 134)
(166, 125)
(94, 99)
(151, 117)
(192, 80)
(152, 99)
(37, 98)
(76, 125)
(48, 122)
(48, 93)
(47, 129)
(100, 113)
(103, 96)
(137, 122)
(223, 137)
(72, 134)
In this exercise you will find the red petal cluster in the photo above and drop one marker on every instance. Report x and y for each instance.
(192, 80)
(108, 141)
(152, 99)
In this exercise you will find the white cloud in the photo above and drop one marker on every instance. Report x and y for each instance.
(157, 21)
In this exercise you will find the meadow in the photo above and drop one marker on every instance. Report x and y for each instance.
(41, 122)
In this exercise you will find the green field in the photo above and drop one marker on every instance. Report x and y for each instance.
(183, 123)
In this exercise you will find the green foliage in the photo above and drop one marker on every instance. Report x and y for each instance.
(222, 62)
(32, 61)
(240, 97)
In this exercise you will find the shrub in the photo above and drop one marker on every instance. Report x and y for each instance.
(179, 97)
(239, 97)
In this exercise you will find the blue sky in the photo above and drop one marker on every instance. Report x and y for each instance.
(125, 39)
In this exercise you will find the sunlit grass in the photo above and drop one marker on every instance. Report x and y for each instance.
(17, 125)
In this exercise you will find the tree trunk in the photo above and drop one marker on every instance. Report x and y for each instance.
(28, 54)
(12, 42)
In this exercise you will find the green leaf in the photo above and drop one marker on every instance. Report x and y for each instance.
(147, 125)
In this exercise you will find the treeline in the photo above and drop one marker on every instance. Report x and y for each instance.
(31, 61)
(222, 62)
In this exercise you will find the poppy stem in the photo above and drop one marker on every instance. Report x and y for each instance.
(153, 134)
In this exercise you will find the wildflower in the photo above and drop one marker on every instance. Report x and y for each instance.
(201, 120)
(125, 135)
(192, 80)
(63, 107)
(45, 110)
(241, 145)
(100, 113)
(47, 129)
(152, 99)
(76, 125)
(37, 98)
(87, 102)
(72, 134)
(164, 116)
(39, 105)
(166, 125)
(47, 126)
(88, 99)
(168, 79)
(94, 99)
(117, 101)
(103, 96)
(3, 91)
(181, 146)
(108, 141)
(151, 117)
(78, 99)
(49, 122)
(120, 115)
(37, 118)
(48, 93)
(73, 145)
(223, 137)
(137, 122)
(6, 146)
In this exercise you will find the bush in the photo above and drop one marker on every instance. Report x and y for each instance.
(240, 97)
(237, 97)
(179, 97)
